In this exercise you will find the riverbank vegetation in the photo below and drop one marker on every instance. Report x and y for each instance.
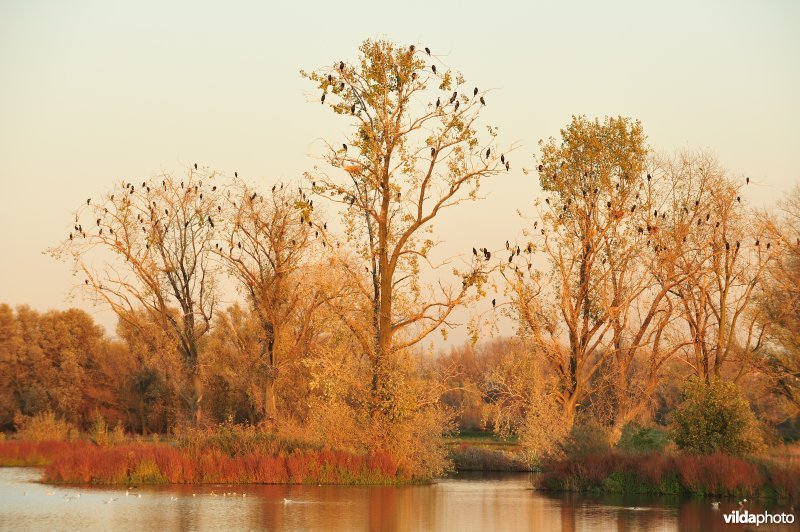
(652, 309)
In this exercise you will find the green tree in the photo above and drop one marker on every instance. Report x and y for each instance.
(714, 417)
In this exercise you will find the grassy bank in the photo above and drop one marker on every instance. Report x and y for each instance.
(157, 463)
(675, 474)
(484, 451)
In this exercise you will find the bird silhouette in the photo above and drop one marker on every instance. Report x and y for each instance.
(488, 151)
(483, 102)
(341, 65)
(344, 146)
(475, 92)
(433, 69)
(438, 102)
(427, 50)
(322, 100)
(433, 152)
(412, 48)
(494, 302)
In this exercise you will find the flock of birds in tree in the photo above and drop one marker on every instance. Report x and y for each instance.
(153, 222)
(454, 101)
(480, 253)
(652, 228)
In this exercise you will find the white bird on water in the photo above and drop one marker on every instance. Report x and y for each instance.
(715, 505)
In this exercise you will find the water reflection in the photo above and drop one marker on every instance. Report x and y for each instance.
(465, 502)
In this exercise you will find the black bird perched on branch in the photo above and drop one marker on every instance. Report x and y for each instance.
(353, 109)
(235, 174)
(322, 100)
(474, 251)
(483, 102)
(427, 50)
(433, 152)
(438, 102)
(344, 146)
(433, 69)
(412, 48)
(456, 107)
(494, 302)
(475, 92)
(341, 65)
(502, 158)
(88, 201)
(488, 151)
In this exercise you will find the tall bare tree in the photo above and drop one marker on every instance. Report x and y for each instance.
(725, 260)
(148, 245)
(271, 244)
(779, 301)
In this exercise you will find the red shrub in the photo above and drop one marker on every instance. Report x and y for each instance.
(785, 479)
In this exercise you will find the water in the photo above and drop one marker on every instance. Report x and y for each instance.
(465, 502)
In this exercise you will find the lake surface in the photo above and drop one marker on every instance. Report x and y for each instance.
(463, 502)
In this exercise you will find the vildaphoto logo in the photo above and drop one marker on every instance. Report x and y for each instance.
(747, 518)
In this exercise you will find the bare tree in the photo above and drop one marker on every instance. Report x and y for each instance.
(270, 243)
(725, 260)
(779, 301)
(149, 246)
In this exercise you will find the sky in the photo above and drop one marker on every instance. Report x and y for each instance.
(95, 92)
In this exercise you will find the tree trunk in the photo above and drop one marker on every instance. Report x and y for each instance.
(197, 396)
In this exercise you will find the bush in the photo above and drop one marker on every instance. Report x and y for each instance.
(586, 438)
(44, 426)
(636, 438)
(101, 435)
(83, 462)
(714, 417)
(543, 430)
(657, 473)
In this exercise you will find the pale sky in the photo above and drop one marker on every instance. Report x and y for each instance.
(94, 92)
